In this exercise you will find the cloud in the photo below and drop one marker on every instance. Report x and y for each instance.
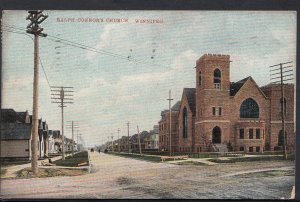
(184, 58)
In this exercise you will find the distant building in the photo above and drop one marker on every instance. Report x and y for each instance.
(134, 141)
(164, 128)
(124, 144)
(152, 140)
(57, 139)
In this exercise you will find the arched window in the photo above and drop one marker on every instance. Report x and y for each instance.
(216, 135)
(281, 138)
(199, 80)
(249, 109)
(283, 104)
(185, 123)
(217, 78)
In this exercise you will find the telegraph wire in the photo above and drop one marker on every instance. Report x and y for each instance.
(85, 47)
(16, 32)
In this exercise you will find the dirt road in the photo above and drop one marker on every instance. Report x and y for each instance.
(118, 177)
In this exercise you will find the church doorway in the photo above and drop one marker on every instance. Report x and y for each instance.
(216, 135)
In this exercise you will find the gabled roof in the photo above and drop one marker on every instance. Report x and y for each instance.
(11, 116)
(236, 86)
(45, 125)
(41, 134)
(176, 106)
(164, 112)
(45, 134)
(143, 135)
(15, 131)
(8, 116)
(21, 117)
(56, 133)
(191, 97)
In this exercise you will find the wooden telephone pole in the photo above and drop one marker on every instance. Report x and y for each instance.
(36, 17)
(112, 142)
(118, 140)
(280, 79)
(59, 97)
(170, 113)
(139, 139)
(72, 125)
(128, 137)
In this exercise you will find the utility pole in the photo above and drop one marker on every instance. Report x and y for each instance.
(77, 143)
(36, 17)
(112, 143)
(139, 139)
(118, 140)
(170, 113)
(78, 148)
(283, 78)
(128, 137)
(72, 125)
(59, 94)
(108, 142)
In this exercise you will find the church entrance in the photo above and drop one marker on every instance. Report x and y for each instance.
(216, 135)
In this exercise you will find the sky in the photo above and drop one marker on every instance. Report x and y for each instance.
(110, 89)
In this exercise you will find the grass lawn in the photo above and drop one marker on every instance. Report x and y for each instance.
(49, 172)
(139, 157)
(247, 159)
(3, 171)
(191, 163)
(81, 157)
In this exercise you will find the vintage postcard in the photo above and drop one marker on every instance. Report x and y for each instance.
(148, 104)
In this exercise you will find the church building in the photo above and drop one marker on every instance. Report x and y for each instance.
(219, 115)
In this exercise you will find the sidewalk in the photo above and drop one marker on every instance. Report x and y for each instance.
(13, 169)
(201, 160)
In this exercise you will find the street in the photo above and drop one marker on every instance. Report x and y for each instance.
(118, 177)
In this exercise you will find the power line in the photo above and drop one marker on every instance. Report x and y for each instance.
(85, 47)
(44, 71)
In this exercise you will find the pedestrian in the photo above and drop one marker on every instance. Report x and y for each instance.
(99, 151)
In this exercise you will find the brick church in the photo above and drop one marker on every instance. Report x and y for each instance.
(219, 115)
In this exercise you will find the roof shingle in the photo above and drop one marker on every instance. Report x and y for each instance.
(191, 97)
(15, 131)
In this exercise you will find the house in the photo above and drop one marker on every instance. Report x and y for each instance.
(68, 144)
(220, 115)
(152, 141)
(57, 141)
(15, 134)
(41, 145)
(51, 149)
(134, 141)
(11, 116)
(123, 144)
(164, 125)
(15, 141)
(46, 138)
